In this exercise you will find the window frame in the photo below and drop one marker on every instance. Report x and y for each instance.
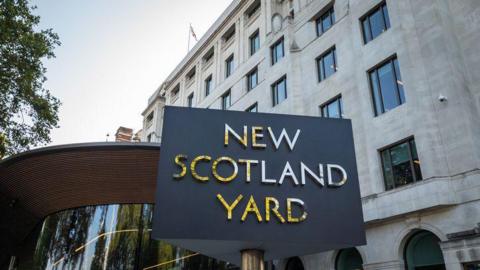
(254, 105)
(273, 57)
(274, 87)
(320, 59)
(190, 100)
(228, 68)
(228, 94)
(248, 76)
(330, 101)
(251, 38)
(383, 6)
(208, 82)
(408, 141)
(387, 61)
(318, 21)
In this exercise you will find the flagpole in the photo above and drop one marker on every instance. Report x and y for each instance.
(190, 26)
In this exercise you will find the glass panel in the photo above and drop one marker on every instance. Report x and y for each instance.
(329, 64)
(399, 81)
(320, 69)
(254, 79)
(385, 15)
(326, 22)
(376, 93)
(376, 23)
(416, 161)
(367, 36)
(387, 170)
(332, 15)
(282, 91)
(388, 87)
(324, 111)
(334, 109)
(402, 171)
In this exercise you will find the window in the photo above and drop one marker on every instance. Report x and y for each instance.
(190, 100)
(149, 137)
(208, 85)
(229, 66)
(191, 74)
(229, 34)
(254, 42)
(333, 108)
(279, 90)
(325, 21)
(252, 79)
(226, 100)
(387, 86)
(326, 64)
(253, 8)
(253, 108)
(277, 51)
(375, 22)
(400, 164)
(174, 93)
(209, 55)
(149, 117)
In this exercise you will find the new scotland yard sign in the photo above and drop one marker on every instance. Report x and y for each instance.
(230, 181)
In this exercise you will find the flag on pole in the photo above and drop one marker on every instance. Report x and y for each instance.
(193, 33)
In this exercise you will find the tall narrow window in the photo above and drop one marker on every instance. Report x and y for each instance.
(229, 66)
(387, 86)
(149, 117)
(277, 51)
(253, 108)
(252, 79)
(375, 22)
(326, 64)
(401, 165)
(208, 85)
(279, 90)
(254, 42)
(333, 108)
(190, 100)
(325, 21)
(226, 100)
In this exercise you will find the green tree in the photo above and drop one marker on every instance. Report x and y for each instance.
(27, 110)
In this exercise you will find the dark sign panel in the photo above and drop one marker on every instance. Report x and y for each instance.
(230, 181)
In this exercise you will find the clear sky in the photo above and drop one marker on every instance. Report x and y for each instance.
(114, 54)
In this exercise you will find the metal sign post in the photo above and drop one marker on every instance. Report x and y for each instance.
(252, 259)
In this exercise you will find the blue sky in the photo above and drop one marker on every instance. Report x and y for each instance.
(114, 54)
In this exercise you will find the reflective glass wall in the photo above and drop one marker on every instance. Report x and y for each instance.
(110, 237)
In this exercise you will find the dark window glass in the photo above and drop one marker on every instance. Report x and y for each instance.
(149, 117)
(190, 100)
(209, 55)
(253, 8)
(226, 100)
(387, 86)
(277, 51)
(208, 85)
(325, 21)
(253, 108)
(326, 64)
(400, 164)
(333, 108)
(254, 43)
(375, 22)
(279, 90)
(252, 79)
(229, 66)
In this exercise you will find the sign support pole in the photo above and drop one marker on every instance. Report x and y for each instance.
(252, 259)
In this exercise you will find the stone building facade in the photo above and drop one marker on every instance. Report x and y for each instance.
(406, 72)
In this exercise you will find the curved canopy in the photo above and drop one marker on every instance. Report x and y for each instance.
(40, 182)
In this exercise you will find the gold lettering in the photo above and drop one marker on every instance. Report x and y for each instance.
(193, 166)
(291, 219)
(221, 178)
(229, 208)
(179, 161)
(274, 209)
(257, 134)
(251, 207)
(242, 140)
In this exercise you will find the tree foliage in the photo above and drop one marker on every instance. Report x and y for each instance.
(27, 110)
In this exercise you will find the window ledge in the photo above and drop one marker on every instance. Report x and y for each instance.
(249, 20)
(226, 45)
(207, 64)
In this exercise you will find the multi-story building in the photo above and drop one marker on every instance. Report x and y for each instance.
(407, 73)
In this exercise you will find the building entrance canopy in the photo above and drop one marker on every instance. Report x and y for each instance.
(44, 181)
